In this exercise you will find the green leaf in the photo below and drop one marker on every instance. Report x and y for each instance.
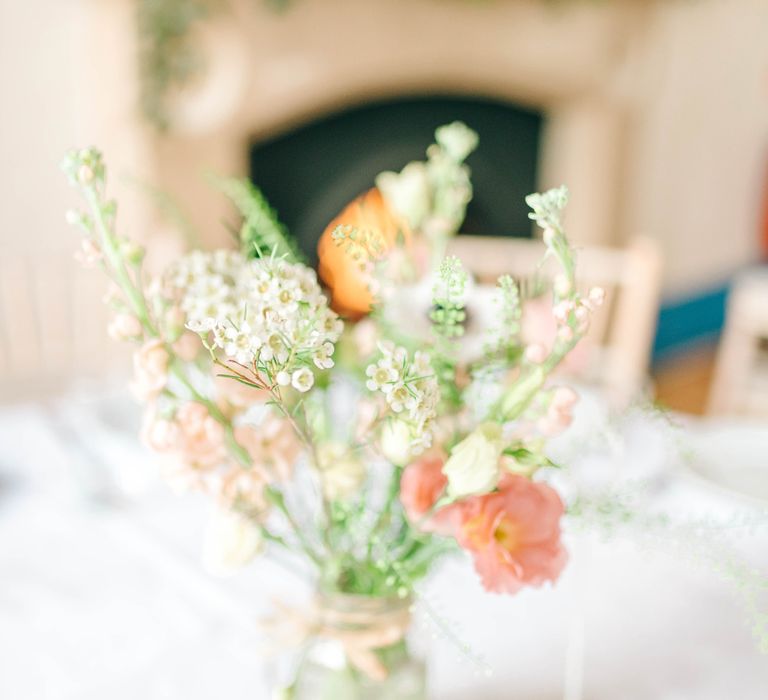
(528, 458)
(261, 234)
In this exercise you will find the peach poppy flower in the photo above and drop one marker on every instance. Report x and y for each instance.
(514, 534)
(421, 485)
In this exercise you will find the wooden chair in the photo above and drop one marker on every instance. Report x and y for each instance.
(52, 325)
(622, 330)
(740, 382)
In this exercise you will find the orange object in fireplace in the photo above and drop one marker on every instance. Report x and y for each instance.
(348, 282)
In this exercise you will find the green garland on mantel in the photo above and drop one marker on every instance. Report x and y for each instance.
(168, 57)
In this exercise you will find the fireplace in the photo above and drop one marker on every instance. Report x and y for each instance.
(537, 81)
(309, 173)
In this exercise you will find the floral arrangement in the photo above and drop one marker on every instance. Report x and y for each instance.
(367, 452)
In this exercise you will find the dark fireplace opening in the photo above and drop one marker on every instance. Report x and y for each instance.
(310, 173)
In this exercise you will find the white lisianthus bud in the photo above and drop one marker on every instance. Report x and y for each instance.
(473, 466)
(231, 541)
(396, 440)
(407, 192)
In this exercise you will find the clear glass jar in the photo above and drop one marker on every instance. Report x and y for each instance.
(360, 652)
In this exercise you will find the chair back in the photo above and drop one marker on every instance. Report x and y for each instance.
(622, 331)
(740, 381)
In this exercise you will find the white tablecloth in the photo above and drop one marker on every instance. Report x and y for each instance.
(108, 600)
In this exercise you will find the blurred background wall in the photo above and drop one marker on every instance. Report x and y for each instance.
(655, 114)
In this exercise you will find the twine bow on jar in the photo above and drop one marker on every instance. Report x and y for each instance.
(361, 624)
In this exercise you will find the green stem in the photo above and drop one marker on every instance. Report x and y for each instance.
(111, 252)
(276, 498)
(237, 450)
(386, 511)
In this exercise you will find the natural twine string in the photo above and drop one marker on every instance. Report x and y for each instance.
(360, 632)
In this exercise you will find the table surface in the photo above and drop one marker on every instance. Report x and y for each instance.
(102, 594)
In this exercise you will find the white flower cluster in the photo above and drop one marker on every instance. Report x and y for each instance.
(410, 388)
(266, 313)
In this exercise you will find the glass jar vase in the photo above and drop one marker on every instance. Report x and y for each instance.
(359, 651)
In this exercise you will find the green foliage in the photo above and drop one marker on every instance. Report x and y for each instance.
(167, 56)
(448, 314)
(547, 212)
(504, 339)
(548, 207)
(710, 544)
(261, 233)
(448, 318)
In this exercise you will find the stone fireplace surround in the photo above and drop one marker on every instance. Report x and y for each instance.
(268, 72)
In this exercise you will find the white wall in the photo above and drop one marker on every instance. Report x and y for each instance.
(39, 120)
(52, 320)
(698, 165)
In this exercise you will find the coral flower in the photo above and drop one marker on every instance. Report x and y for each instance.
(514, 534)
(422, 483)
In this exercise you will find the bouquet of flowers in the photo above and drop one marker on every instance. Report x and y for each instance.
(346, 441)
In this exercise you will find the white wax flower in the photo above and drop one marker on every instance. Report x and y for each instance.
(266, 313)
(302, 379)
(396, 442)
(231, 541)
(473, 466)
(408, 192)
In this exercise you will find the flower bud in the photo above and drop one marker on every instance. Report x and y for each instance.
(597, 295)
(562, 285)
(124, 327)
(396, 439)
(231, 541)
(85, 175)
(535, 353)
(473, 466)
(132, 252)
